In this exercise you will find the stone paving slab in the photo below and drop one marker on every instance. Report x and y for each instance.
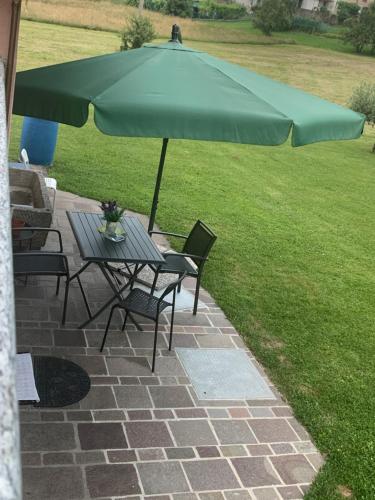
(142, 435)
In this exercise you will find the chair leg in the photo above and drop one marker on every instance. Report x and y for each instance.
(58, 285)
(172, 320)
(154, 282)
(54, 200)
(84, 296)
(179, 285)
(124, 324)
(65, 299)
(132, 281)
(107, 327)
(196, 295)
(155, 343)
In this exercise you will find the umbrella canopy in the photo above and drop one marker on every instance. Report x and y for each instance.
(172, 91)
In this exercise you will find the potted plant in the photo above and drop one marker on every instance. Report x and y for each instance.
(112, 214)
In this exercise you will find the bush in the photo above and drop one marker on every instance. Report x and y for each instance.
(138, 31)
(156, 5)
(346, 10)
(309, 25)
(181, 8)
(361, 31)
(209, 9)
(363, 101)
(275, 15)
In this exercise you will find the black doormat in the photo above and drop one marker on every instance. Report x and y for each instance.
(59, 382)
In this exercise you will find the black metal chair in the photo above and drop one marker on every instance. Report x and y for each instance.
(46, 263)
(147, 305)
(196, 248)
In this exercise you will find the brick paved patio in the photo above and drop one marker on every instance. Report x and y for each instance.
(139, 435)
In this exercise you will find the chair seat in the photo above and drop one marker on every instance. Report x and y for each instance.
(178, 264)
(143, 303)
(39, 264)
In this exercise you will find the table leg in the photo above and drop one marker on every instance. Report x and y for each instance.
(118, 293)
(76, 276)
(80, 270)
(107, 269)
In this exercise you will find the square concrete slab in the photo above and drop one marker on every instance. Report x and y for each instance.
(233, 432)
(112, 480)
(134, 366)
(57, 483)
(255, 471)
(132, 396)
(272, 430)
(101, 436)
(163, 477)
(148, 434)
(192, 433)
(47, 437)
(211, 475)
(171, 397)
(99, 398)
(293, 469)
(168, 366)
(223, 374)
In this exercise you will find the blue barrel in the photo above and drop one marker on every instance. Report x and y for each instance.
(39, 139)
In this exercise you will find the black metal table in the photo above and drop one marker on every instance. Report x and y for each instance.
(137, 248)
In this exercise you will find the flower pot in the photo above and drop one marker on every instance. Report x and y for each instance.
(111, 229)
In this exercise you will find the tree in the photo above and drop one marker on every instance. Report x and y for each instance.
(361, 31)
(138, 31)
(275, 15)
(363, 101)
(347, 10)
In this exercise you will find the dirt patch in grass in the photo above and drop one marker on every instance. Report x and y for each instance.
(273, 344)
(344, 491)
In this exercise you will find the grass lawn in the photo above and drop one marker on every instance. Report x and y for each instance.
(112, 15)
(293, 267)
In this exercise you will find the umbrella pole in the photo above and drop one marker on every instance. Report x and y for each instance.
(157, 185)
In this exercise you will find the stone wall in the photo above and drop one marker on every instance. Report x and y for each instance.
(10, 482)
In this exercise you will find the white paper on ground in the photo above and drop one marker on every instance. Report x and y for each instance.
(25, 381)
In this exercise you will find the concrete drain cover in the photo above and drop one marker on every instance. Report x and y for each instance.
(223, 374)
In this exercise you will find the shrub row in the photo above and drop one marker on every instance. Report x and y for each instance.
(208, 9)
(308, 25)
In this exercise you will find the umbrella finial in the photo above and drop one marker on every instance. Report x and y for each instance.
(176, 34)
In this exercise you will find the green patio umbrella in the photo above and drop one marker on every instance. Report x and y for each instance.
(172, 91)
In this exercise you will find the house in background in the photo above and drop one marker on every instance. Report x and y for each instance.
(315, 5)
(308, 6)
(330, 5)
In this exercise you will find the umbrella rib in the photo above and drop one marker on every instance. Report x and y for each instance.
(244, 86)
(98, 96)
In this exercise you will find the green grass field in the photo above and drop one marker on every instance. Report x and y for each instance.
(111, 15)
(294, 265)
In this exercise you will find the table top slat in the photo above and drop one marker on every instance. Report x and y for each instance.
(134, 232)
(137, 248)
(107, 248)
(86, 232)
(149, 243)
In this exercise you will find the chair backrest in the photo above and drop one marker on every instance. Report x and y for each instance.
(172, 286)
(25, 158)
(199, 242)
